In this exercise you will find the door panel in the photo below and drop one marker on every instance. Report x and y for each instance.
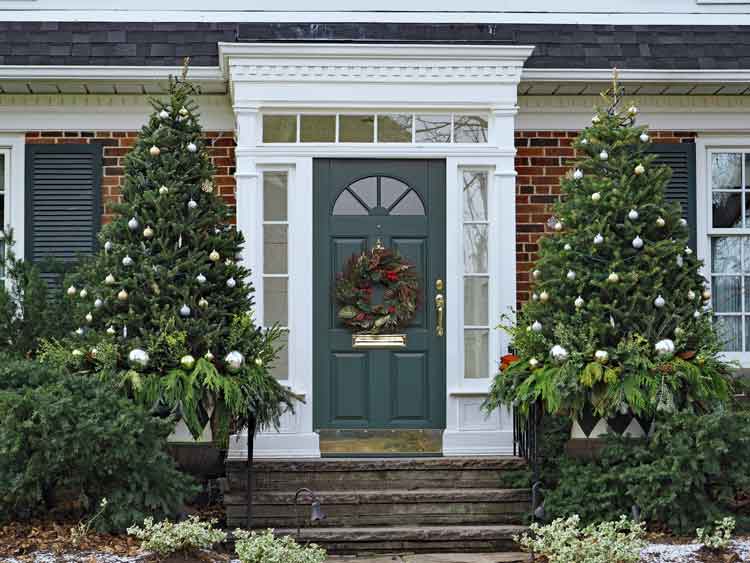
(402, 204)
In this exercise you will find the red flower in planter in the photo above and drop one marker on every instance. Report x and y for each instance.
(391, 309)
(506, 360)
(360, 317)
(391, 276)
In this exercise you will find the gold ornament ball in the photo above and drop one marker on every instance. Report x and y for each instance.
(640, 169)
(187, 361)
(258, 362)
(706, 295)
(214, 256)
(613, 278)
(660, 222)
(544, 297)
(123, 295)
(163, 190)
(148, 232)
(154, 151)
(203, 303)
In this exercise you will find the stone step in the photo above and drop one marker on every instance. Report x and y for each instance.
(412, 539)
(378, 473)
(385, 507)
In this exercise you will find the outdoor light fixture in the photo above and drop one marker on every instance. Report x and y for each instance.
(316, 513)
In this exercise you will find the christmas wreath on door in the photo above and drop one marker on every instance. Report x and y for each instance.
(354, 292)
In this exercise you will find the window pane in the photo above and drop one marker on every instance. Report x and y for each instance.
(274, 249)
(347, 204)
(280, 368)
(476, 354)
(275, 301)
(475, 196)
(475, 249)
(476, 301)
(390, 190)
(394, 128)
(469, 129)
(726, 296)
(274, 196)
(433, 129)
(730, 332)
(726, 171)
(410, 204)
(366, 189)
(725, 254)
(356, 128)
(317, 128)
(727, 210)
(279, 128)
(2, 172)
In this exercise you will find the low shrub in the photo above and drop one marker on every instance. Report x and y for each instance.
(254, 547)
(167, 538)
(690, 472)
(68, 441)
(564, 541)
(719, 536)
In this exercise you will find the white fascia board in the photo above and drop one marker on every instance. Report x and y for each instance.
(703, 76)
(106, 73)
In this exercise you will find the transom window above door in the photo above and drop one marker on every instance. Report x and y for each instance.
(378, 195)
(408, 128)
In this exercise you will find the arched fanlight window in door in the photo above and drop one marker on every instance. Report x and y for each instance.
(378, 195)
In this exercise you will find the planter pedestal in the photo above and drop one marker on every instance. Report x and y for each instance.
(586, 435)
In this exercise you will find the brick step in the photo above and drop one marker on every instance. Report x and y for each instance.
(386, 507)
(377, 473)
(413, 539)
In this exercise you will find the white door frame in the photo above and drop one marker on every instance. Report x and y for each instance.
(356, 78)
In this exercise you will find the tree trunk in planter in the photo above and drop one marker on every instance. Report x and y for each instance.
(587, 432)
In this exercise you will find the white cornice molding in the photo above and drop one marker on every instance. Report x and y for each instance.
(668, 76)
(670, 104)
(377, 63)
(106, 73)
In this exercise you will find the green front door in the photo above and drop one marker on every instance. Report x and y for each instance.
(402, 204)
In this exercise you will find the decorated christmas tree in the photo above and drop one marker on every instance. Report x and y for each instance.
(618, 321)
(164, 306)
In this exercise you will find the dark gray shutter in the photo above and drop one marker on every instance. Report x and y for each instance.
(681, 159)
(63, 203)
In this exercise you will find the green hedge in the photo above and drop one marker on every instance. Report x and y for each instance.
(68, 441)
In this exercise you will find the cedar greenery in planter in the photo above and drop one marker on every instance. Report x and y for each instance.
(618, 320)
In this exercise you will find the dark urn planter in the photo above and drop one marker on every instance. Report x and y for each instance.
(587, 432)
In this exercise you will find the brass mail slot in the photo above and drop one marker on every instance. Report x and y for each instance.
(378, 341)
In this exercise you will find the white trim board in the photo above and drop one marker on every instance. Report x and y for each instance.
(15, 147)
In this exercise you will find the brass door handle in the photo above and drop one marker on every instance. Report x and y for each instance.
(440, 308)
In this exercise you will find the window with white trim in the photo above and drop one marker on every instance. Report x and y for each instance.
(728, 260)
(276, 261)
(476, 236)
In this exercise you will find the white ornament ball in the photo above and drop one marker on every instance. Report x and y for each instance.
(94, 352)
(259, 362)
(683, 222)
(633, 215)
(109, 280)
(660, 222)
(659, 302)
(79, 331)
(163, 190)
(613, 278)
(584, 141)
(637, 242)
(154, 151)
(108, 246)
(596, 196)
(688, 250)
(77, 353)
(578, 174)
(148, 232)
(98, 303)
(138, 358)
(706, 295)
(679, 261)
(691, 295)
(571, 275)
(604, 155)
(200, 278)
(183, 111)
(214, 256)
(544, 297)
(535, 297)
(127, 261)
(133, 224)
(578, 302)
(191, 147)
(598, 239)
(164, 114)
(567, 246)
(111, 330)
(231, 283)
(601, 356)
(89, 317)
(83, 294)
(595, 119)
(72, 290)
(536, 274)
(640, 169)
(558, 353)
(633, 110)
(187, 361)
(184, 311)
(533, 362)
(234, 360)
(645, 138)
(664, 347)
(536, 326)
(697, 315)
(123, 295)
(209, 356)
(192, 204)
(202, 303)
(558, 226)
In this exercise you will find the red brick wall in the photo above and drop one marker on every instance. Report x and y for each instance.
(116, 144)
(542, 158)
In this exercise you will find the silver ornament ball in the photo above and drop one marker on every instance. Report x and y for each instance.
(234, 360)
(138, 358)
